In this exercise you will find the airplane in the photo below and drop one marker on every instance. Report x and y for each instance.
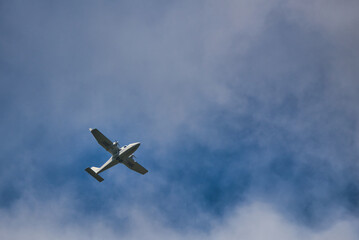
(122, 155)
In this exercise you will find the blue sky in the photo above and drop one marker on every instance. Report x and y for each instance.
(246, 112)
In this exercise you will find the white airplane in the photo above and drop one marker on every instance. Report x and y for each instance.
(119, 155)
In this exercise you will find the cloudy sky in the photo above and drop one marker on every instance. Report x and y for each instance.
(247, 113)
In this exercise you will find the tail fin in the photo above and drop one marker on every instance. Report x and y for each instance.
(93, 172)
(95, 169)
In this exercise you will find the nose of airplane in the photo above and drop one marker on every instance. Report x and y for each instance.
(136, 145)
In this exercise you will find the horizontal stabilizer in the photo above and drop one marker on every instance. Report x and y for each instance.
(92, 173)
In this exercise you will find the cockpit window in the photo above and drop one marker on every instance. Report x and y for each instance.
(125, 146)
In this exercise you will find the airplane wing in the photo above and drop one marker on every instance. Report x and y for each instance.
(135, 166)
(102, 140)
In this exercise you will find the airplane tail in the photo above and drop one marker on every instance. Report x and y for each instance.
(93, 172)
(95, 169)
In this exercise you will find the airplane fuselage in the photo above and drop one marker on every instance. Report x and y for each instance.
(120, 155)
(125, 152)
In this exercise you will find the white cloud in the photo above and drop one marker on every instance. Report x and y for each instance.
(157, 76)
(132, 74)
(58, 220)
(111, 69)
